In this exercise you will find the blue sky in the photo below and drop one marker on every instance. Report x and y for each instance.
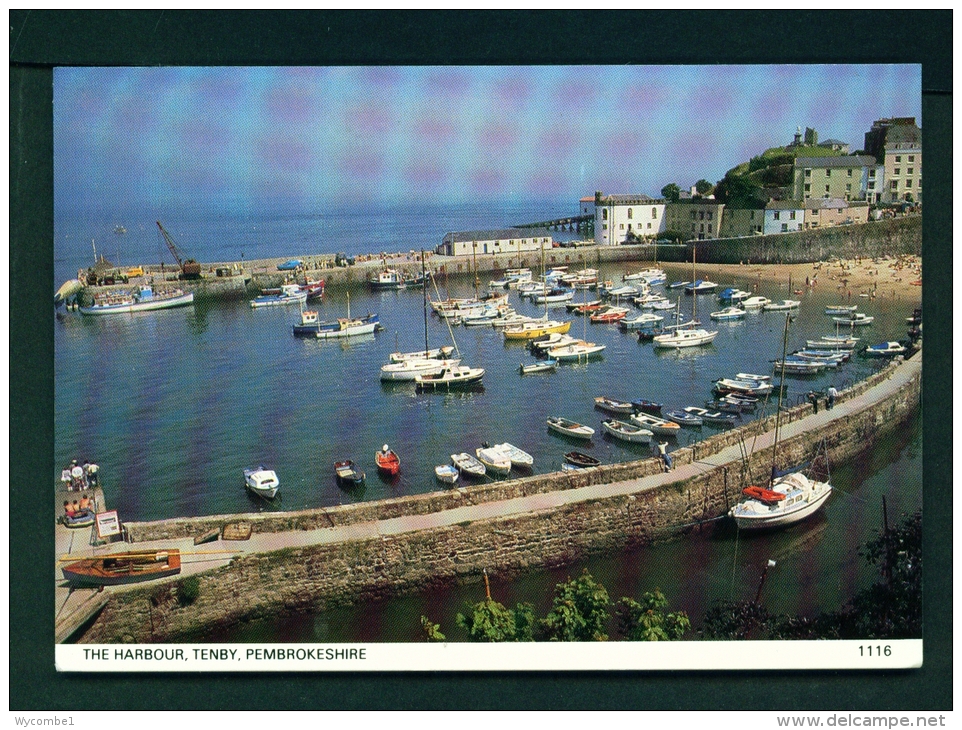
(311, 138)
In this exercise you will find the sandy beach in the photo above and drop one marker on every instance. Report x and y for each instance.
(885, 278)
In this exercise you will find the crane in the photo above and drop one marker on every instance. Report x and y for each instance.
(189, 268)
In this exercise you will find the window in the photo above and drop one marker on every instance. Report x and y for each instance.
(709, 215)
(701, 215)
(621, 226)
(776, 215)
(908, 183)
(909, 171)
(896, 171)
(654, 213)
(826, 191)
(649, 225)
(814, 211)
(808, 172)
(894, 185)
(808, 187)
(898, 158)
(629, 214)
(850, 172)
(911, 158)
(848, 188)
(828, 172)
(791, 215)
(604, 214)
(871, 173)
(871, 184)
(784, 227)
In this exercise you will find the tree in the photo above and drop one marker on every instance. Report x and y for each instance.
(579, 612)
(671, 192)
(737, 620)
(432, 631)
(492, 621)
(738, 191)
(649, 621)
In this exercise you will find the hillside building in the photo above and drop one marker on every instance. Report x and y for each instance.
(897, 145)
(844, 177)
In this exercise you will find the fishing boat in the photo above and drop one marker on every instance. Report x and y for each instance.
(855, 319)
(348, 474)
(388, 463)
(715, 418)
(494, 460)
(684, 418)
(885, 349)
(728, 313)
(755, 302)
(784, 304)
(577, 351)
(542, 366)
(124, 568)
(789, 496)
(396, 279)
(570, 428)
(312, 326)
(626, 431)
(262, 482)
(289, 294)
(841, 309)
(613, 406)
(519, 459)
(448, 378)
(446, 473)
(468, 466)
(658, 426)
(580, 460)
(646, 406)
(144, 299)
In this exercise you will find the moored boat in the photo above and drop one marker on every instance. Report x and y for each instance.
(538, 328)
(395, 279)
(626, 431)
(438, 353)
(755, 302)
(519, 459)
(124, 568)
(684, 418)
(788, 499)
(458, 376)
(855, 319)
(348, 474)
(262, 482)
(542, 366)
(647, 406)
(784, 304)
(446, 473)
(613, 406)
(701, 286)
(885, 349)
(143, 300)
(582, 461)
(387, 461)
(659, 426)
(570, 428)
(841, 309)
(714, 418)
(728, 313)
(494, 460)
(576, 351)
(409, 369)
(468, 466)
(685, 338)
(289, 294)
(345, 327)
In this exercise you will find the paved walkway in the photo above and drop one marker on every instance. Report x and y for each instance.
(200, 558)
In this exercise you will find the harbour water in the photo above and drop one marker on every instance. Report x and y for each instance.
(175, 404)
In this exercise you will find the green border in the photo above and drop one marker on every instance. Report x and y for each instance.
(42, 39)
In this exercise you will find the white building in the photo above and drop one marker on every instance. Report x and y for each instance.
(506, 240)
(782, 216)
(617, 216)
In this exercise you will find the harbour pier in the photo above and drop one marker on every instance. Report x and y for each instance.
(315, 559)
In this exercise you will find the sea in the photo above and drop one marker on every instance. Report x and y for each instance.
(174, 405)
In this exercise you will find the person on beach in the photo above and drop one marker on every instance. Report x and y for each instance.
(68, 509)
(832, 395)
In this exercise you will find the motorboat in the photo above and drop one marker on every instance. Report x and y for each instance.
(714, 418)
(626, 431)
(553, 296)
(647, 406)
(388, 462)
(570, 428)
(613, 406)
(611, 314)
(798, 366)
(701, 286)
(582, 307)
(788, 499)
(833, 342)
(542, 366)
(784, 304)
(347, 327)
(446, 473)
(519, 459)
(733, 295)
(468, 466)
(753, 388)
(684, 418)
(678, 284)
(885, 349)
(348, 474)
(755, 302)
(753, 376)
(289, 294)
(580, 460)
(262, 482)
(142, 300)
(538, 328)
(494, 460)
(458, 376)
(643, 321)
(728, 313)
(658, 426)
(410, 369)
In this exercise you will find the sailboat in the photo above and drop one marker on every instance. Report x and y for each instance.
(790, 496)
(579, 350)
(537, 328)
(408, 366)
(689, 335)
(347, 327)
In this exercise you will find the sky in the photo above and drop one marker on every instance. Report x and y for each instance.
(308, 138)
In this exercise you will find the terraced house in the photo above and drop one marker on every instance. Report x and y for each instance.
(897, 145)
(846, 177)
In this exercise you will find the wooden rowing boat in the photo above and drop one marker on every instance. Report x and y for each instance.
(123, 568)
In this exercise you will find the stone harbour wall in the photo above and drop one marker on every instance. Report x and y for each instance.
(322, 576)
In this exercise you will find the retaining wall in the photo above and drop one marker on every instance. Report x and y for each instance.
(318, 577)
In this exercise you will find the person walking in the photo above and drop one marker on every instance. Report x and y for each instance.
(813, 399)
(832, 395)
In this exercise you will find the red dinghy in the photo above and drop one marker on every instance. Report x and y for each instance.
(766, 495)
(387, 461)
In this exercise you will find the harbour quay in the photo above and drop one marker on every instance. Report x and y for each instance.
(315, 559)
(238, 279)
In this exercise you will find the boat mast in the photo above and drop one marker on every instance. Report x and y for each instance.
(424, 297)
(781, 390)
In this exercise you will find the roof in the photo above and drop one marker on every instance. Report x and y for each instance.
(491, 235)
(824, 203)
(785, 205)
(637, 199)
(845, 161)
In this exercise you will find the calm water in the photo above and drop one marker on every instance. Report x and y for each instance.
(175, 404)
(817, 565)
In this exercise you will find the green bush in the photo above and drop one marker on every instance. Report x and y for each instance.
(188, 590)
